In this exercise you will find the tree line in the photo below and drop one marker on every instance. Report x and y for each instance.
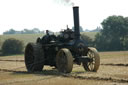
(114, 35)
(24, 31)
(36, 31)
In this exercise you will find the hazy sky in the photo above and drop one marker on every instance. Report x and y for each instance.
(56, 14)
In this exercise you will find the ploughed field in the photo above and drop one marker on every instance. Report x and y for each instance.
(113, 71)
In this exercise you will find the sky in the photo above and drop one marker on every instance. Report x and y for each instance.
(55, 15)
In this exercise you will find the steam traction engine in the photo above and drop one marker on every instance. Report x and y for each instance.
(62, 51)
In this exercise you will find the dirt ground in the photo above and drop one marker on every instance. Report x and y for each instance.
(113, 71)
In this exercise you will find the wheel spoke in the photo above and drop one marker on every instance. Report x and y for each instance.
(91, 66)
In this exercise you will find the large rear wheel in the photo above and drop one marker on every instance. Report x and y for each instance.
(64, 61)
(94, 64)
(34, 57)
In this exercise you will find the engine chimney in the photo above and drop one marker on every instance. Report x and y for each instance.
(76, 22)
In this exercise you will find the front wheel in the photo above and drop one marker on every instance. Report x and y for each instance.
(64, 61)
(95, 63)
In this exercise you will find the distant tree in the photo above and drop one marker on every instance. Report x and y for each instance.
(98, 29)
(12, 46)
(36, 30)
(33, 31)
(11, 31)
(114, 34)
(25, 31)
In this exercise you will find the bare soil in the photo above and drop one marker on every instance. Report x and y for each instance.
(113, 71)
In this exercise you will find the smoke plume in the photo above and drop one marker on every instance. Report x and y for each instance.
(66, 2)
(70, 2)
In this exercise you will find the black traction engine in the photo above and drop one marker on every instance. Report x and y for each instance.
(62, 50)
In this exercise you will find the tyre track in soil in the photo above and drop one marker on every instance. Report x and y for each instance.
(109, 64)
(13, 60)
(75, 76)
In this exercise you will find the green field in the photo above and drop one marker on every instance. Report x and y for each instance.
(90, 34)
(32, 37)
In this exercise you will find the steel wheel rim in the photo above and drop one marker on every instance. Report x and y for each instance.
(29, 55)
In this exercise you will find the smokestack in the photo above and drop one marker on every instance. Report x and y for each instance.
(76, 22)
